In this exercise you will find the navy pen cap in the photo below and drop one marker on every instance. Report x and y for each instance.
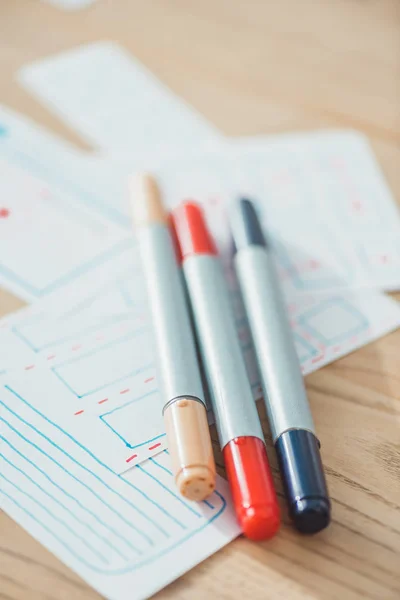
(304, 480)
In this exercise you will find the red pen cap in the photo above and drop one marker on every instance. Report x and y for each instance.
(252, 487)
(191, 230)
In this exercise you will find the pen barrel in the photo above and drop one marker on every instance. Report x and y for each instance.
(285, 394)
(177, 367)
(231, 396)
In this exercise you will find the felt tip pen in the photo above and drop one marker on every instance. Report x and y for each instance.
(180, 382)
(292, 426)
(238, 425)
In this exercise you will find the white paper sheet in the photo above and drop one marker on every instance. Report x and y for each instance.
(51, 229)
(129, 534)
(114, 101)
(324, 203)
(90, 365)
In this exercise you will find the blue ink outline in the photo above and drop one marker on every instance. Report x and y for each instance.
(68, 495)
(103, 419)
(95, 351)
(341, 303)
(69, 276)
(311, 351)
(57, 519)
(130, 568)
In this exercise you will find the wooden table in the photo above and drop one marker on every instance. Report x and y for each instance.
(258, 66)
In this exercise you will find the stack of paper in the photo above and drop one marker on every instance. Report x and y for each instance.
(85, 467)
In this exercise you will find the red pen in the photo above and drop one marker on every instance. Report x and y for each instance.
(238, 425)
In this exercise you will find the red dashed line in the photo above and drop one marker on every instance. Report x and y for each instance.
(317, 359)
(155, 446)
(77, 347)
(29, 367)
(124, 391)
(51, 357)
(131, 458)
(79, 412)
(102, 401)
(149, 379)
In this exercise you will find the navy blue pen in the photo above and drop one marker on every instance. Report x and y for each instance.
(291, 423)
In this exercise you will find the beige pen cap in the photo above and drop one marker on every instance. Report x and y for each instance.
(190, 448)
(146, 202)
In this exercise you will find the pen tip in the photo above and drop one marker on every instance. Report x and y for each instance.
(145, 200)
(245, 225)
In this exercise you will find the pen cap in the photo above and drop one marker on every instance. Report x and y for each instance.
(304, 481)
(252, 487)
(191, 230)
(190, 447)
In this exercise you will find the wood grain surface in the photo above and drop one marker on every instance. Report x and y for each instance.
(258, 66)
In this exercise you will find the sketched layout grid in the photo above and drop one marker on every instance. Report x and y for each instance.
(111, 523)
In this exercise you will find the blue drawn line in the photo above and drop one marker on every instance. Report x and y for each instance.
(113, 344)
(69, 436)
(93, 391)
(3, 130)
(57, 519)
(104, 416)
(170, 492)
(82, 506)
(139, 564)
(153, 460)
(310, 350)
(51, 532)
(125, 293)
(136, 529)
(71, 275)
(328, 304)
(100, 324)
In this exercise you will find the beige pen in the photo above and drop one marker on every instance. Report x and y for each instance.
(179, 376)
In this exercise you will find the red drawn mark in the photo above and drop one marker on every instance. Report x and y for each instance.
(29, 367)
(357, 206)
(307, 336)
(155, 446)
(353, 339)
(102, 401)
(149, 379)
(124, 391)
(314, 264)
(317, 359)
(77, 347)
(4, 213)
(291, 308)
(384, 259)
(79, 412)
(302, 368)
(336, 349)
(51, 356)
(131, 458)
